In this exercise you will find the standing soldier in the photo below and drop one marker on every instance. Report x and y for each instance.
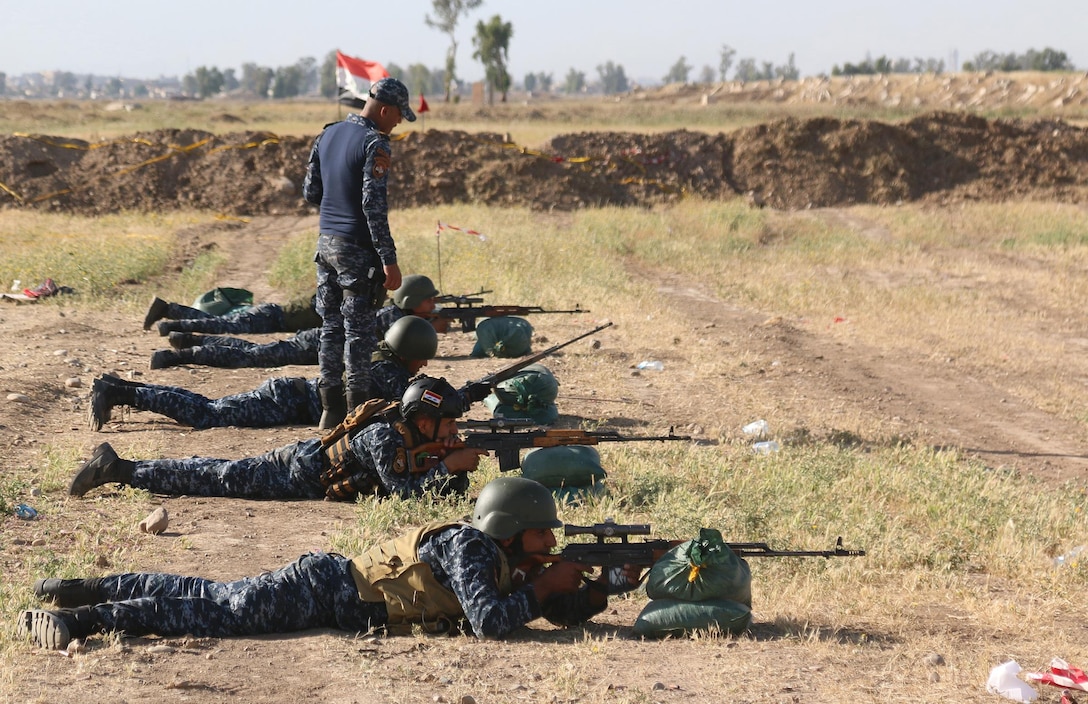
(356, 257)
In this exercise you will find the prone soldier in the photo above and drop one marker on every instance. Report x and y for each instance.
(300, 314)
(491, 577)
(417, 295)
(368, 453)
(407, 347)
(236, 353)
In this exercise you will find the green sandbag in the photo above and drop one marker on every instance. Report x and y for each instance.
(672, 617)
(701, 569)
(576, 495)
(564, 466)
(504, 336)
(220, 301)
(541, 416)
(533, 387)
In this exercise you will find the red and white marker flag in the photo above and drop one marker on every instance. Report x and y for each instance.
(445, 226)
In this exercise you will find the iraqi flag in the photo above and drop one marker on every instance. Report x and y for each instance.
(353, 78)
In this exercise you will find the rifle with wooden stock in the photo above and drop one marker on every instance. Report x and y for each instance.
(613, 549)
(479, 389)
(467, 314)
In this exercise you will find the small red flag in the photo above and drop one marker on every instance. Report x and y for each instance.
(423, 106)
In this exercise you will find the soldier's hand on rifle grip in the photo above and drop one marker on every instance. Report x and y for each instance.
(477, 391)
(465, 459)
(560, 578)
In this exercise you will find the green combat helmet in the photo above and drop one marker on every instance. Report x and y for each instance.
(414, 289)
(509, 505)
(412, 339)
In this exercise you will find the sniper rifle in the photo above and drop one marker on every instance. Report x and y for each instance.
(479, 389)
(467, 314)
(616, 553)
(506, 441)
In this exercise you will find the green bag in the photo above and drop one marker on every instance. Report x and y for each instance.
(564, 466)
(220, 301)
(541, 416)
(504, 336)
(701, 569)
(673, 617)
(575, 495)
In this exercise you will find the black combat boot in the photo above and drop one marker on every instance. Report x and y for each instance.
(356, 398)
(69, 593)
(155, 312)
(161, 359)
(165, 327)
(107, 392)
(182, 340)
(103, 467)
(334, 405)
(54, 630)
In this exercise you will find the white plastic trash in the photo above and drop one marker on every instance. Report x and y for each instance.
(652, 365)
(759, 428)
(766, 447)
(1003, 681)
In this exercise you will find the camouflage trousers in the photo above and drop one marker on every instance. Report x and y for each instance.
(315, 591)
(347, 278)
(278, 401)
(388, 380)
(264, 318)
(290, 472)
(234, 353)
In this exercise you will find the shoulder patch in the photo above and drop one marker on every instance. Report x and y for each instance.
(382, 162)
(400, 462)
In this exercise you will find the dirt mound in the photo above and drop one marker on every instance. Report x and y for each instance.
(786, 164)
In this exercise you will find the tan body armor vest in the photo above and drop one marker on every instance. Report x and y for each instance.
(393, 573)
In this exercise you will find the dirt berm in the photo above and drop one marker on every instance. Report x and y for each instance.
(788, 164)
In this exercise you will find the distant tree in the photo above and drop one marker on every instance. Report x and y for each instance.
(140, 90)
(788, 70)
(529, 82)
(3, 83)
(188, 85)
(88, 84)
(327, 86)
(492, 42)
(307, 65)
(447, 13)
(1048, 60)
(257, 79)
(115, 88)
(575, 81)
(288, 81)
(613, 78)
(421, 79)
(679, 72)
(725, 61)
(706, 74)
(747, 71)
(64, 83)
(545, 80)
(230, 80)
(209, 81)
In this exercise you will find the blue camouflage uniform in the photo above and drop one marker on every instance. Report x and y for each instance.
(235, 353)
(319, 591)
(347, 177)
(277, 401)
(263, 318)
(389, 379)
(294, 471)
(386, 316)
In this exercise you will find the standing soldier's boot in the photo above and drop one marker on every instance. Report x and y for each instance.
(54, 630)
(334, 406)
(161, 359)
(104, 467)
(70, 593)
(356, 398)
(107, 392)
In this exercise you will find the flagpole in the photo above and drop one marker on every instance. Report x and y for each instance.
(438, 249)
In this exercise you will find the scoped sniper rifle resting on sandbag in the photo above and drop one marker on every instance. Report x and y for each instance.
(479, 389)
(507, 438)
(616, 553)
(467, 314)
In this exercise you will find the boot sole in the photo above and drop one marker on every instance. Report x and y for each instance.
(46, 630)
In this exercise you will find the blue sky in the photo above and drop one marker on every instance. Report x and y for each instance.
(150, 38)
